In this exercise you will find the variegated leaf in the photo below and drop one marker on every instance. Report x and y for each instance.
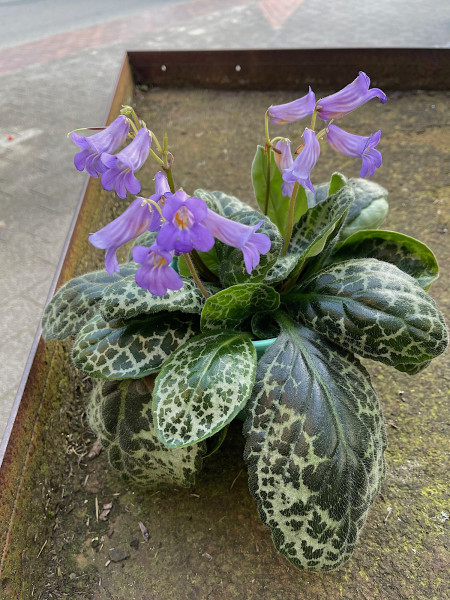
(314, 449)
(224, 204)
(77, 301)
(126, 299)
(120, 414)
(231, 260)
(373, 309)
(310, 235)
(131, 349)
(406, 253)
(197, 392)
(231, 307)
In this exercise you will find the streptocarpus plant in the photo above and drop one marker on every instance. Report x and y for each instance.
(289, 297)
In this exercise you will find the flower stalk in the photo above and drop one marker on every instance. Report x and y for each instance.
(195, 276)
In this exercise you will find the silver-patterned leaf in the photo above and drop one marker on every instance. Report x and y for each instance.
(131, 349)
(405, 252)
(318, 226)
(77, 301)
(224, 204)
(231, 307)
(373, 309)
(197, 392)
(126, 299)
(314, 449)
(119, 413)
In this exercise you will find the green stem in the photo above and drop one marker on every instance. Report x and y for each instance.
(202, 268)
(168, 172)
(290, 223)
(193, 272)
(266, 203)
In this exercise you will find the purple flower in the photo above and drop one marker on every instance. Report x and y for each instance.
(131, 223)
(121, 166)
(183, 230)
(156, 275)
(239, 236)
(293, 111)
(161, 189)
(357, 146)
(284, 161)
(352, 96)
(301, 168)
(92, 147)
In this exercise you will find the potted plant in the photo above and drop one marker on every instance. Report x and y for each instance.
(224, 312)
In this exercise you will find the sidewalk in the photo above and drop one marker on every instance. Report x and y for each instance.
(51, 86)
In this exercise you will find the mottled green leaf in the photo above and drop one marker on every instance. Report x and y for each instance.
(209, 258)
(133, 348)
(231, 260)
(119, 413)
(224, 204)
(278, 205)
(406, 253)
(318, 226)
(231, 307)
(77, 301)
(373, 309)
(126, 299)
(197, 391)
(314, 447)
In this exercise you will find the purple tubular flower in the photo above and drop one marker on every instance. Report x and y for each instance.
(293, 111)
(156, 275)
(301, 168)
(183, 230)
(92, 147)
(239, 236)
(161, 189)
(284, 161)
(131, 223)
(121, 166)
(352, 96)
(357, 146)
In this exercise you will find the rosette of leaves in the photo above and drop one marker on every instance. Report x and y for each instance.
(314, 428)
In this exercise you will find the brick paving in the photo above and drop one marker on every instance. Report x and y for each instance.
(53, 85)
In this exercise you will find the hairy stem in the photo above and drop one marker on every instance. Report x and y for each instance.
(193, 272)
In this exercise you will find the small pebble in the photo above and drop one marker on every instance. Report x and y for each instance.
(117, 554)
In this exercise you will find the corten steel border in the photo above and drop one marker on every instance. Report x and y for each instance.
(398, 69)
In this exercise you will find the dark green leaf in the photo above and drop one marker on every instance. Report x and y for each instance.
(314, 449)
(120, 414)
(406, 253)
(231, 307)
(373, 309)
(77, 301)
(131, 349)
(197, 392)
(311, 234)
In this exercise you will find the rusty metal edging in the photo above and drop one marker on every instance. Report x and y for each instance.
(17, 445)
(390, 68)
